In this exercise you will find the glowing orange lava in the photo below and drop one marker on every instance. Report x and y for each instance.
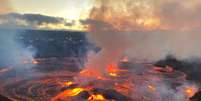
(35, 61)
(112, 69)
(190, 91)
(124, 88)
(68, 93)
(97, 97)
(151, 88)
(69, 83)
(166, 69)
(91, 73)
(74, 91)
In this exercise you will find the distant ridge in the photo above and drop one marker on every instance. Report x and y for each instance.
(63, 30)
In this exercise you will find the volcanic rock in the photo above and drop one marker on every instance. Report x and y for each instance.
(2, 98)
(196, 97)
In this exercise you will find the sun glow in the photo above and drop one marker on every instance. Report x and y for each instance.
(61, 27)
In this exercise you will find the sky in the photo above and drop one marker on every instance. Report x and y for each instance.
(124, 15)
(70, 9)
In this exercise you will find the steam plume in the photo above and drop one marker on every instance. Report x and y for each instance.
(144, 30)
(12, 51)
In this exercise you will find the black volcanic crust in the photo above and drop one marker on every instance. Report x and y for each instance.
(190, 67)
(2, 98)
(109, 94)
(112, 94)
(170, 61)
(196, 97)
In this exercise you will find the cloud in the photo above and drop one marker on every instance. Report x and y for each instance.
(132, 15)
(179, 14)
(32, 21)
(124, 27)
(96, 23)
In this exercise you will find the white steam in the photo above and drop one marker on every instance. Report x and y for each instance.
(13, 52)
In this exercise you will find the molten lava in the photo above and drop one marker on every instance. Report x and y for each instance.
(34, 61)
(96, 97)
(89, 73)
(190, 91)
(27, 61)
(69, 83)
(68, 93)
(112, 70)
(151, 88)
(167, 69)
(120, 81)
(73, 92)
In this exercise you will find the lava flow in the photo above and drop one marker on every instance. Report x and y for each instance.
(124, 81)
(123, 84)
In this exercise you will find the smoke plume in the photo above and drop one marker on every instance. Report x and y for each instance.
(144, 30)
